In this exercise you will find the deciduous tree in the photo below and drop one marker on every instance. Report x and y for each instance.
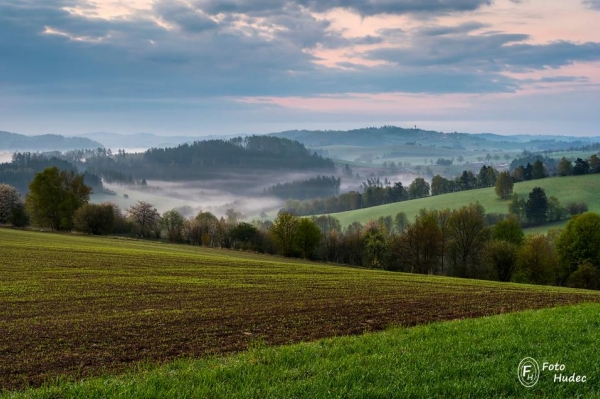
(508, 230)
(9, 198)
(54, 196)
(419, 188)
(536, 262)
(502, 257)
(565, 167)
(95, 218)
(173, 223)
(283, 232)
(400, 222)
(145, 218)
(504, 185)
(579, 243)
(469, 234)
(306, 237)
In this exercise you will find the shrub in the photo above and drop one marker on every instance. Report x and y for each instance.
(576, 208)
(586, 276)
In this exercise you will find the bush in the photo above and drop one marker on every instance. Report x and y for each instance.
(95, 219)
(578, 244)
(492, 219)
(18, 216)
(586, 276)
(576, 208)
(536, 262)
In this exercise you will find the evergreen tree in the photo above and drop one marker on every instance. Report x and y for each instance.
(539, 171)
(536, 208)
(581, 167)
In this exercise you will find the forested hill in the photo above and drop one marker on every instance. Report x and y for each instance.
(392, 135)
(372, 136)
(255, 152)
(46, 142)
(206, 159)
(21, 171)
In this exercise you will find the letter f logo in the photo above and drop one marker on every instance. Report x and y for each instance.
(528, 372)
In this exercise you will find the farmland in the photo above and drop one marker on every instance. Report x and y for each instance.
(458, 359)
(75, 306)
(566, 189)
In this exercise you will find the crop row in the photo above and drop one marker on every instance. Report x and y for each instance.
(77, 306)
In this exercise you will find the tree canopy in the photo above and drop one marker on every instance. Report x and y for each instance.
(54, 196)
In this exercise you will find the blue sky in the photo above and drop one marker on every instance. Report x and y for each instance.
(234, 66)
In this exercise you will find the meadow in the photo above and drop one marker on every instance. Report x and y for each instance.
(77, 306)
(472, 358)
(566, 189)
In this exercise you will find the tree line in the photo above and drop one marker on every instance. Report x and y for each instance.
(534, 167)
(376, 192)
(24, 166)
(459, 243)
(315, 187)
(202, 159)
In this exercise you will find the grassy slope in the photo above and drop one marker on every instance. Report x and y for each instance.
(74, 305)
(566, 189)
(475, 358)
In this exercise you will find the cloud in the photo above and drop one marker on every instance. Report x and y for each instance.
(440, 47)
(364, 8)
(376, 7)
(261, 48)
(593, 4)
(465, 27)
(185, 17)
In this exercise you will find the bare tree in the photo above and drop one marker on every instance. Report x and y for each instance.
(145, 217)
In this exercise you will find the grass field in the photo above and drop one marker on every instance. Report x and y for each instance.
(77, 306)
(474, 358)
(566, 189)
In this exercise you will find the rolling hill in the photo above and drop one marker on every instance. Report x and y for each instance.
(75, 306)
(566, 189)
(393, 135)
(45, 142)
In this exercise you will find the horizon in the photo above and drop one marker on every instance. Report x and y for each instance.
(230, 135)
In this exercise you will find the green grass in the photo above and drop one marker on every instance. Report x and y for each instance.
(566, 189)
(475, 358)
(76, 306)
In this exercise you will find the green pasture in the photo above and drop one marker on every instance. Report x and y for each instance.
(476, 358)
(566, 189)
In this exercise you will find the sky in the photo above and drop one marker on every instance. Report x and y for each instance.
(208, 67)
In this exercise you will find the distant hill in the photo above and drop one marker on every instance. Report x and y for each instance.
(209, 159)
(145, 140)
(392, 135)
(45, 142)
